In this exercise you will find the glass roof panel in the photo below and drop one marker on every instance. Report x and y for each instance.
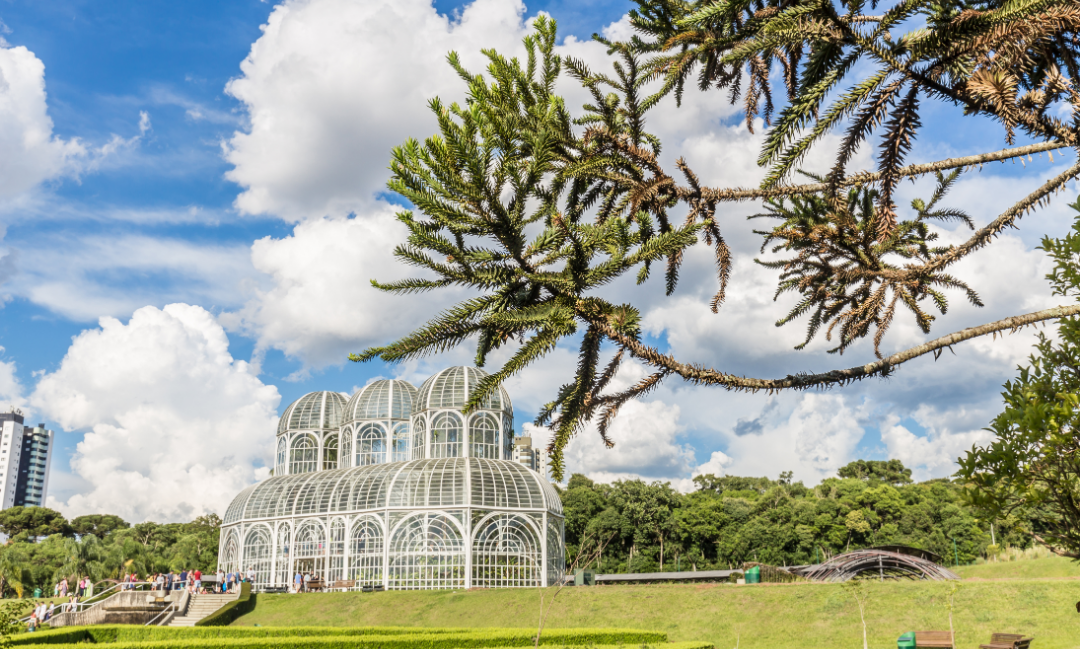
(430, 483)
(314, 411)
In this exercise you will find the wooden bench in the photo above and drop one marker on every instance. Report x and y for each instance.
(937, 639)
(1007, 641)
(343, 584)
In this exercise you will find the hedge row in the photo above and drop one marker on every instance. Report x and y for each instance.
(281, 638)
(107, 633)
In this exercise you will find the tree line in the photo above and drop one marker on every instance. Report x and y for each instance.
(638, 526)
(44, 547)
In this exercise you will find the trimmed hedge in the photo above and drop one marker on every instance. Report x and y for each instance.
(107, 633)
(281, 637)
(234, 609)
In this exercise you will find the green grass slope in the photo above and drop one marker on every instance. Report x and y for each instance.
(1044, 568)
(789, 616)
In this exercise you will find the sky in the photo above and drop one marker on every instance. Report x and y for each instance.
(193, 202)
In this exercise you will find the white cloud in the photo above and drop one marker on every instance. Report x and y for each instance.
(86, 277)
(11, 390)
(175, 426)
(332, 85)
(321, 304)
(32, 154)
(930, 455)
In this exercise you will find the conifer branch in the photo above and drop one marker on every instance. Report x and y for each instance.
(868, 177)
(884, 367)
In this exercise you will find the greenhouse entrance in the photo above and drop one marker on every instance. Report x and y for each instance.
(312, 566)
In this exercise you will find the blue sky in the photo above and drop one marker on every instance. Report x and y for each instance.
(224, 156)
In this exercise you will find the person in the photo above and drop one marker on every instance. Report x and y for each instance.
(56, 590)
(220, 581)
(307, 580)
(49, 613)
(31, 626)
(183, 579)
(251, 575)
(64, 587)
(228, 582)
(197, 577)
(81, 587)
(159, 582)
(298, 581)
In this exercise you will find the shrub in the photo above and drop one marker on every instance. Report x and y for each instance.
(125, 637)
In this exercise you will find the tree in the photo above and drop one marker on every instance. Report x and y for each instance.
(34, 521)
(533, 210)
(83, 558)
(12, 569)
(888, 471)
(100, 525)
(1033, 464)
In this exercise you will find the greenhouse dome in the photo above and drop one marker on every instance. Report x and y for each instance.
(308, 433)
(376, 424)
(441, 429)
(436, 523)
(422, 495)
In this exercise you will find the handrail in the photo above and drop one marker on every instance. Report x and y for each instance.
(100, 598)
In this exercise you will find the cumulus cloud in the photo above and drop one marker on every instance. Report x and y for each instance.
(32, 154)
(174, 426)
(321, 303)
(332, 85)
(11, 389)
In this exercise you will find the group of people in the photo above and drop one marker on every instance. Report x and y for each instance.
(43, 612)
(302, 582)
(61, 589)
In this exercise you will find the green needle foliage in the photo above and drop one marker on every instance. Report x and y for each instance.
(1014, 61)
(533, 210)
(843, 271)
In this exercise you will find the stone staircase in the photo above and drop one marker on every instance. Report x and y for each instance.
(201, 606)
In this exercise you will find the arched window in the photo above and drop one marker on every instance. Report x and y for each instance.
(231, 555)
(303, 457)
(402, 440)
(419, 444)
(483, 436)
(446, 435)
(508, 438)
(370, 445)
(282, 451)
(257, 554)
(337, 550)
(330, 452)
(309, 555)
(507, 553)
(427, 551)
(345, 457)
(366, 552)
(284, 547)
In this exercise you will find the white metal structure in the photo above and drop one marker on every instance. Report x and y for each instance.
(421, 495)
(421, 524)
(308, 434)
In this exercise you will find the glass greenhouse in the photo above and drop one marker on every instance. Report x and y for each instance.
(398, 487)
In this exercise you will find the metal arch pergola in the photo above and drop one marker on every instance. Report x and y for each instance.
(883, 564)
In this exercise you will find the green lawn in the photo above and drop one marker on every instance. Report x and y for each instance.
(1047, 567)
(791, 616)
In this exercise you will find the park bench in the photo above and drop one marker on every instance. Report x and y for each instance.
(935, 639)
(342, 584)
(1007, 641)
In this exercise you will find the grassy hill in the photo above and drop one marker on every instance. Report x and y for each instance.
(1041, 568)
(770, 616)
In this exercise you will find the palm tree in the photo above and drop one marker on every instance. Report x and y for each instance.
(12, 572)
(83, 558)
